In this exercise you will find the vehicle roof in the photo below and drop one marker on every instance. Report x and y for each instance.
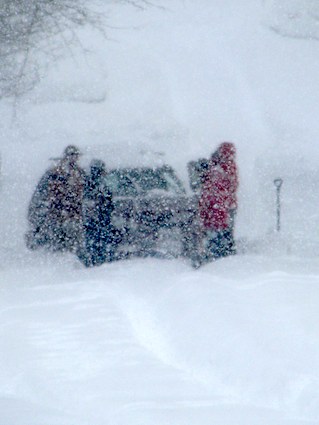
(141, 169)
(125, 155)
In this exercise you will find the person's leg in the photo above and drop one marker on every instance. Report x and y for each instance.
(213, 243)
(100, 246)
(84, 244)
(223, 243)
(112, 239)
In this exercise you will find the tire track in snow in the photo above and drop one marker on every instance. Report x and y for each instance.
(151, 335)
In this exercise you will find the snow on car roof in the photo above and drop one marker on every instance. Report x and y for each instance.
(124, 155)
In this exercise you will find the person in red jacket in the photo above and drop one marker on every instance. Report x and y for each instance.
(218, 202)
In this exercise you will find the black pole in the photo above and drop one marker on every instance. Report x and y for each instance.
(278, 183)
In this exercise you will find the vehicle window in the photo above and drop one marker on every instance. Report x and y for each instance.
(149, 180)
(120, 184)
(173, 183)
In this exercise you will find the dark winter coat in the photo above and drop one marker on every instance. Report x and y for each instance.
(98, 210)
(55, 210)
(98, 198)
(65, 192)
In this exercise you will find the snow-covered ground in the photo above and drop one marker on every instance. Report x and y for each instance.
(150, 341)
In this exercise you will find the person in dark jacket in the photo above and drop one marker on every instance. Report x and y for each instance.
(55, 210)
(98, 210)
(218, 202)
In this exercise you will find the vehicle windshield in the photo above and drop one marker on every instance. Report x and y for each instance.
(138, 181)
(120, 184)
(174, 182)
(156, 179)
(149, 179)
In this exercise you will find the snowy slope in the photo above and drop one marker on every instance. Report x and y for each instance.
(148, 341)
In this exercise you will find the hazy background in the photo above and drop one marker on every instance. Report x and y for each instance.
(180, 80)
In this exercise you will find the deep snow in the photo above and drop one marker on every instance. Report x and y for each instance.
(153, 341)
(149, 341)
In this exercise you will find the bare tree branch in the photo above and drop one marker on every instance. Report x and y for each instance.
(30, 28)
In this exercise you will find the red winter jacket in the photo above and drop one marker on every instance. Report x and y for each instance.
(218, 197)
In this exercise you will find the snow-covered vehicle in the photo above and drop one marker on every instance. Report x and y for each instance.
(153, 214)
